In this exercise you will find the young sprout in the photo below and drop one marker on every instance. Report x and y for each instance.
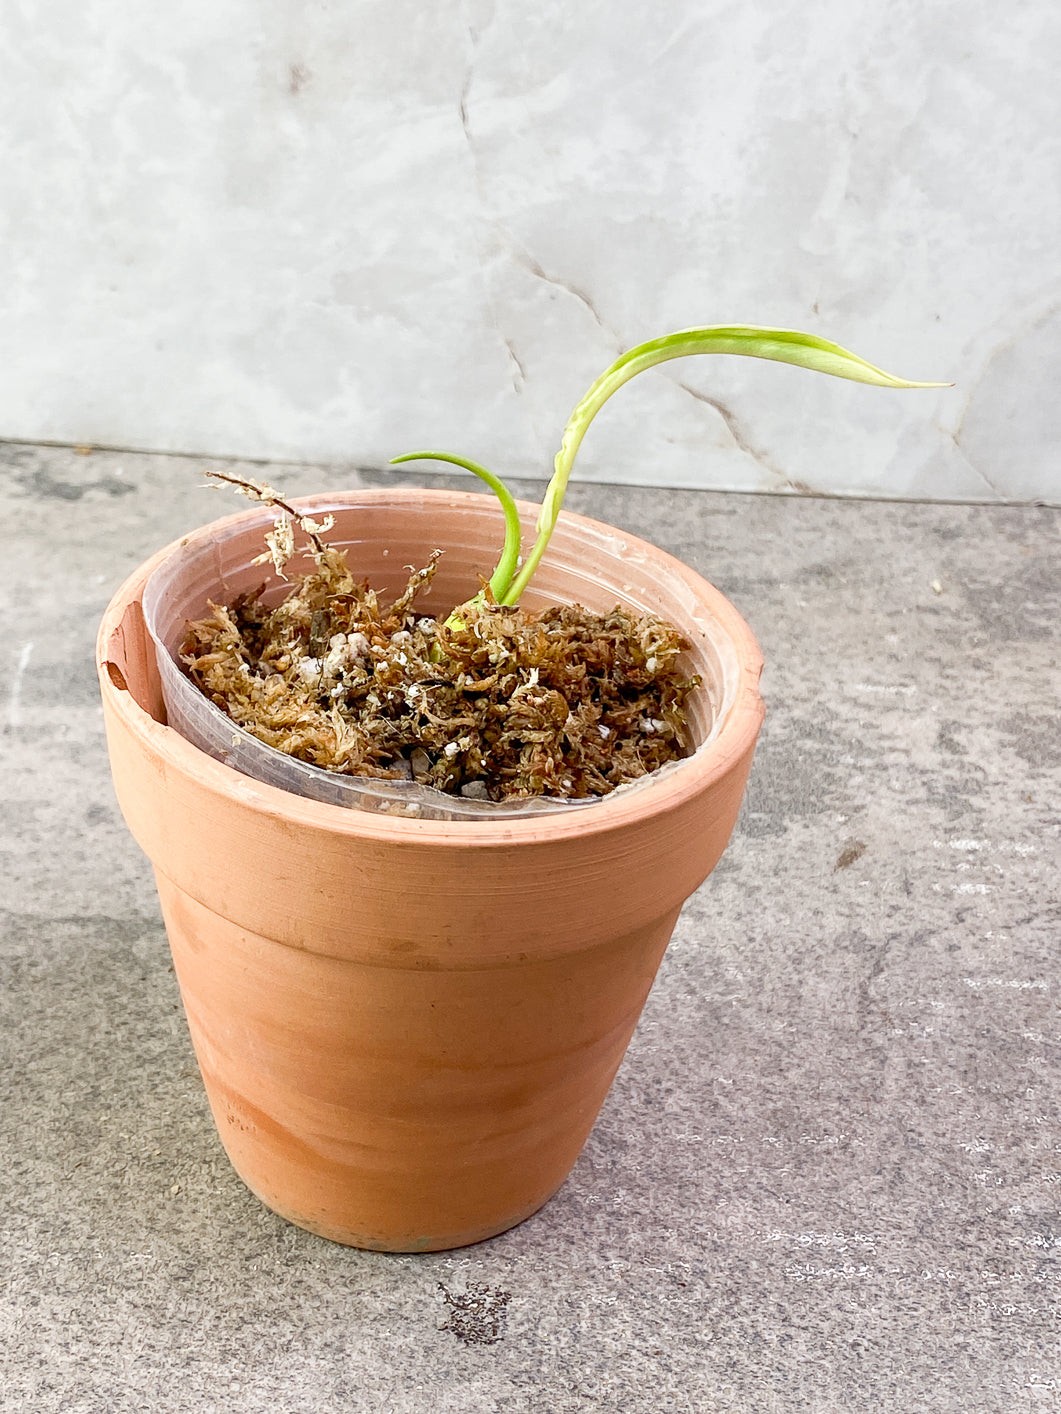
(510, 578)
(507, 565)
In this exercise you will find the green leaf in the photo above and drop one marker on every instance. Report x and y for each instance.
(753, 341)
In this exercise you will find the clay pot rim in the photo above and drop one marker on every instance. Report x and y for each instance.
(614, 812)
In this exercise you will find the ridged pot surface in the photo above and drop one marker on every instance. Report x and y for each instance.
(407, 1027)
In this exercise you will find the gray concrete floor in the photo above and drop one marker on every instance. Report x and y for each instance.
(828, 1176)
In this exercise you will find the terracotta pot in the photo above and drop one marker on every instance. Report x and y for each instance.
(406, 1027)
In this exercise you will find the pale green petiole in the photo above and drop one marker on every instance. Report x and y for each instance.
(507, 564)
(781, 345)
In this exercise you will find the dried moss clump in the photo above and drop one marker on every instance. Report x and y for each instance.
(498, 703)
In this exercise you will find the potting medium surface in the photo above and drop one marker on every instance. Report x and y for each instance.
(216, 569)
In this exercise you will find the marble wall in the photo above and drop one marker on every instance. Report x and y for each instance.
(297, 230)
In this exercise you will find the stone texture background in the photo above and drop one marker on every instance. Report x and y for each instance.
(338, 232)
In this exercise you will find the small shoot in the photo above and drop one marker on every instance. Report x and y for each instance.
(507, 565)
(510, 578)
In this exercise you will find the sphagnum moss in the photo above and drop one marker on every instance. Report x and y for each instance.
(498, 704)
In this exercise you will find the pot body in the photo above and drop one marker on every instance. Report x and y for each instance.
(406, 1027)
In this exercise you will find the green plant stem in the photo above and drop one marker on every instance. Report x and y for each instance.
(506, 566)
